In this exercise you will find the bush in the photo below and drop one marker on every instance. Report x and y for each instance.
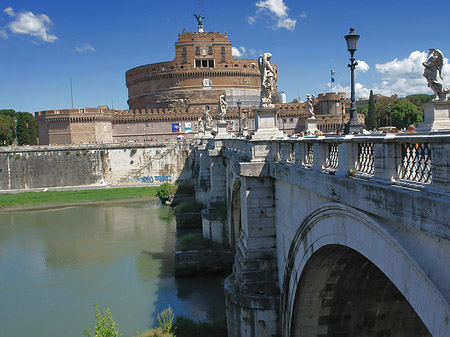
(164, 191)
(133, 151)
(165, 321)
(186, 327)
(190, 205)
(196, 241)
(105, 326)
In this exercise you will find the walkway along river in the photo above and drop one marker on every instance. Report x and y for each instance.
(55, 263)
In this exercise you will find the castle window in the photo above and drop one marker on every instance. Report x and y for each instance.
(223, 58)
(204, 63)
(223, 50)
(197, 50)
(210, 50)
(184, 50)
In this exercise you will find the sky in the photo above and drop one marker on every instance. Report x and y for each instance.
(45, 44)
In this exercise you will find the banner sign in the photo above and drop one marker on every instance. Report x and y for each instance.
(176, 127)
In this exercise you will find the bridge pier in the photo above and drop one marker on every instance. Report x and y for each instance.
(251, 292)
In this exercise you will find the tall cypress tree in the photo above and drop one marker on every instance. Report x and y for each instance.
(371, 122)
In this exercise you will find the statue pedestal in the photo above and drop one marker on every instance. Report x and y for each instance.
(436, 116)
(311, 124)
(266, 124)
(222, 130)
(207, 133)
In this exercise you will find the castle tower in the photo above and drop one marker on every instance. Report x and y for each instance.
(202, 70)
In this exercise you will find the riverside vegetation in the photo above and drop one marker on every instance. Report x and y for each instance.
(182, 327)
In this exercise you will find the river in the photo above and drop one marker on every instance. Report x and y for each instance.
(55, 263)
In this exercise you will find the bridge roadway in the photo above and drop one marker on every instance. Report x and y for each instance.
(333, 236)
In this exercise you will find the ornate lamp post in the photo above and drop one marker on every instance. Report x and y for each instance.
(239, 103)
(352, 41)
(342, 99)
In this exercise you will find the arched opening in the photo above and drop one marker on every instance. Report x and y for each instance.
(342, 293)
(236, 225)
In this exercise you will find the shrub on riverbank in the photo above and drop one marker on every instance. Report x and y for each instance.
(165, 191)
(190, 205)
(196, 241)
(105, 325)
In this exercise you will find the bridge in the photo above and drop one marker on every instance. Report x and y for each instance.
(333, 236)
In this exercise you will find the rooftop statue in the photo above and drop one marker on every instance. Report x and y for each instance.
(433, 73)
(199, 18)
(310, 106)
(268, 80)
(222, 108)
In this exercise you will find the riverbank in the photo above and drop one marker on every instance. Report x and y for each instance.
(48, 199)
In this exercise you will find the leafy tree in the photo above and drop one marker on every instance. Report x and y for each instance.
(419, 99)
(371, 121)
(26, 129)
(7, 129)
(382, 111)
(406, 113)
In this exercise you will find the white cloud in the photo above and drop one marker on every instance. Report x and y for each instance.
(277, 10)
(362, 66)
(238, 52)
(303, 15)
(36, 25)
(3, 34)
(405, 76)
(360, 90)
(85, 47)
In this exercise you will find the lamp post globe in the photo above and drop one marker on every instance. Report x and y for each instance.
(352, 42)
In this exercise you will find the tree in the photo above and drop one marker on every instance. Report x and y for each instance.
(26, 129)
(7, 129)
(382, 111)
(406, 113)
(371, 121)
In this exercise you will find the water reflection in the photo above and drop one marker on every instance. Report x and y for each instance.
(55, 264)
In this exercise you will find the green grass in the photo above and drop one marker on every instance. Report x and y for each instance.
(196, 241)
(61, 197)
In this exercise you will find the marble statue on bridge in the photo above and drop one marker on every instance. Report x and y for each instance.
(207, 117)
(222, 108)
(268, 80)
(310, 106)
(433, 73)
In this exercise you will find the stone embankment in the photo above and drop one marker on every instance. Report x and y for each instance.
(149, 164)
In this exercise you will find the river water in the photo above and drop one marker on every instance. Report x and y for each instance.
(55, 263)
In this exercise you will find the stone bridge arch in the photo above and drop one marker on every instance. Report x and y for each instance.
(335, 249)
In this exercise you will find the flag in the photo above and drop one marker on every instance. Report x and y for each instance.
(332, 74)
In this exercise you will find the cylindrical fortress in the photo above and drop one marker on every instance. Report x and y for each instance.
(203, 69)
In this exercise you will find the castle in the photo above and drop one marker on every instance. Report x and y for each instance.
(166, 99)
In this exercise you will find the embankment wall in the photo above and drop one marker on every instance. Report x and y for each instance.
(93, 165)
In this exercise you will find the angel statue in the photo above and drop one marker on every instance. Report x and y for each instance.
(199, 18)
(222, 107)
(200, 125)
(268, 80)
(207, 117)
(310, 106)
(433, 73)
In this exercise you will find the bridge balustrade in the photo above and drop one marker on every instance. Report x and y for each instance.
(410, 160)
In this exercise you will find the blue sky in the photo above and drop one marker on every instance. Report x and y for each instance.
(45, 43)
